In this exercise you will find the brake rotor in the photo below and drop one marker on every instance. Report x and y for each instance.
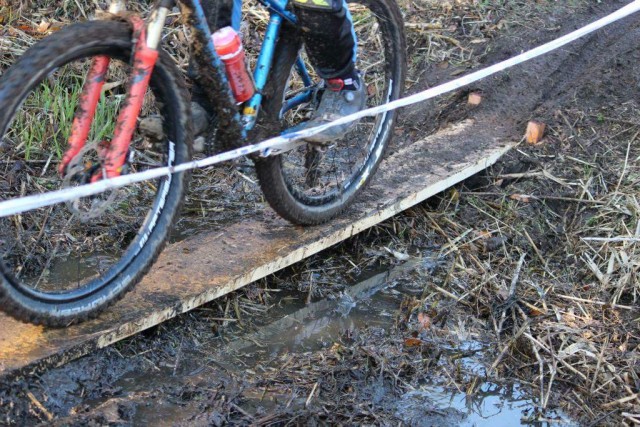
(85, 165)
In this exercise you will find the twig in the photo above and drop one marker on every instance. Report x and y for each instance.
(612, 120)
(555, 179)
(424, 25)
(634, 418)
(599, 364)
(611, 239)
(512, 292)
(245, 177)
(517, 335)
(178, 356)
(39, 405)
(520, 175)
(623, 307)
(621, 401)
(535, 197)
(553, 371)
(535, 343)
(450, 295)
(516, 276)
(535, 248)
(313, 390)
(242, 411)
(626, 161)
(564, 362)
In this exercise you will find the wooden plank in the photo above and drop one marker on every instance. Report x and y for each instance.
(210, 265)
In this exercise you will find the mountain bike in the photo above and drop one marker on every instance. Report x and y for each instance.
(70, 108)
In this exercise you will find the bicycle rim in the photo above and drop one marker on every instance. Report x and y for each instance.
(70, 252)
(311, 184)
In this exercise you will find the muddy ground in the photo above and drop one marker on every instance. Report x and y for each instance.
(508, 299)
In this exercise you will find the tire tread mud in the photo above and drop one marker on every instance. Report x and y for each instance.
(115, 35)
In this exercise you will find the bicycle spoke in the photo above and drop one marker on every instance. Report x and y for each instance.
(51, 240)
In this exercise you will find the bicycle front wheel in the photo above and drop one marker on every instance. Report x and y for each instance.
(311, 185)
(66, 262)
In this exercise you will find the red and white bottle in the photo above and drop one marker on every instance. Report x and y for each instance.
(229, 47)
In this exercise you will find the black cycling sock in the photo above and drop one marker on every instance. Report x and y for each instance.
(351, 80)
(328, 36)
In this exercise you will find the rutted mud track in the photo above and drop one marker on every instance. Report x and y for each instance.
(602, 63)
(597, 70)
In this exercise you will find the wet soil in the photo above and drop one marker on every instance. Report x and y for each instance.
(352, 358)
(269, 354)
(534, 91)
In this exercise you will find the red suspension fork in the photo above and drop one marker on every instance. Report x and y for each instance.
(89, 99)
(86, 110)
(144, 59)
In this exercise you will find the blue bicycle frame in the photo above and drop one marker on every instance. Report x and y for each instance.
(278, 13)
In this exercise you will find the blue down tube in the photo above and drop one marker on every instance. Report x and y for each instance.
(236, 15)
(304, 96)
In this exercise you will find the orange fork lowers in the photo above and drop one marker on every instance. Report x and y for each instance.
(144, 60)
(85, 113)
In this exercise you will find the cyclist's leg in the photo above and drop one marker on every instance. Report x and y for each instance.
(328, 36)
(330, 43)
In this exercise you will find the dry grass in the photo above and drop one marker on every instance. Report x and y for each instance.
(549, 257)
(542, 259)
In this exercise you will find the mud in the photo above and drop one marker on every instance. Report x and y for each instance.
(379, 364)
(539, 87)
(295, 364)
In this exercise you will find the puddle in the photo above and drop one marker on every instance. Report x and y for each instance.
(316, 325)
(491, 404)
(294, 329)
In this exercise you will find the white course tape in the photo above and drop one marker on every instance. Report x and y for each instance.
(283, 142)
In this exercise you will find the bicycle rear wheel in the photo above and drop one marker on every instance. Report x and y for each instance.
(311, 185)
(66, 262)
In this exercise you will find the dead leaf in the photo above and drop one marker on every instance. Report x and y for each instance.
(535, 132)
(446, 6)
(424, 320)
(43, 26)
(398, 255)
(494, 243)
(412, 342)
(336, 348)
(533, 312)
(112, 85)
(474, 99)
(483, 234)
(524, 198)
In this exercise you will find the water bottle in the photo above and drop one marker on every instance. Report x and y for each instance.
(229, 47)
